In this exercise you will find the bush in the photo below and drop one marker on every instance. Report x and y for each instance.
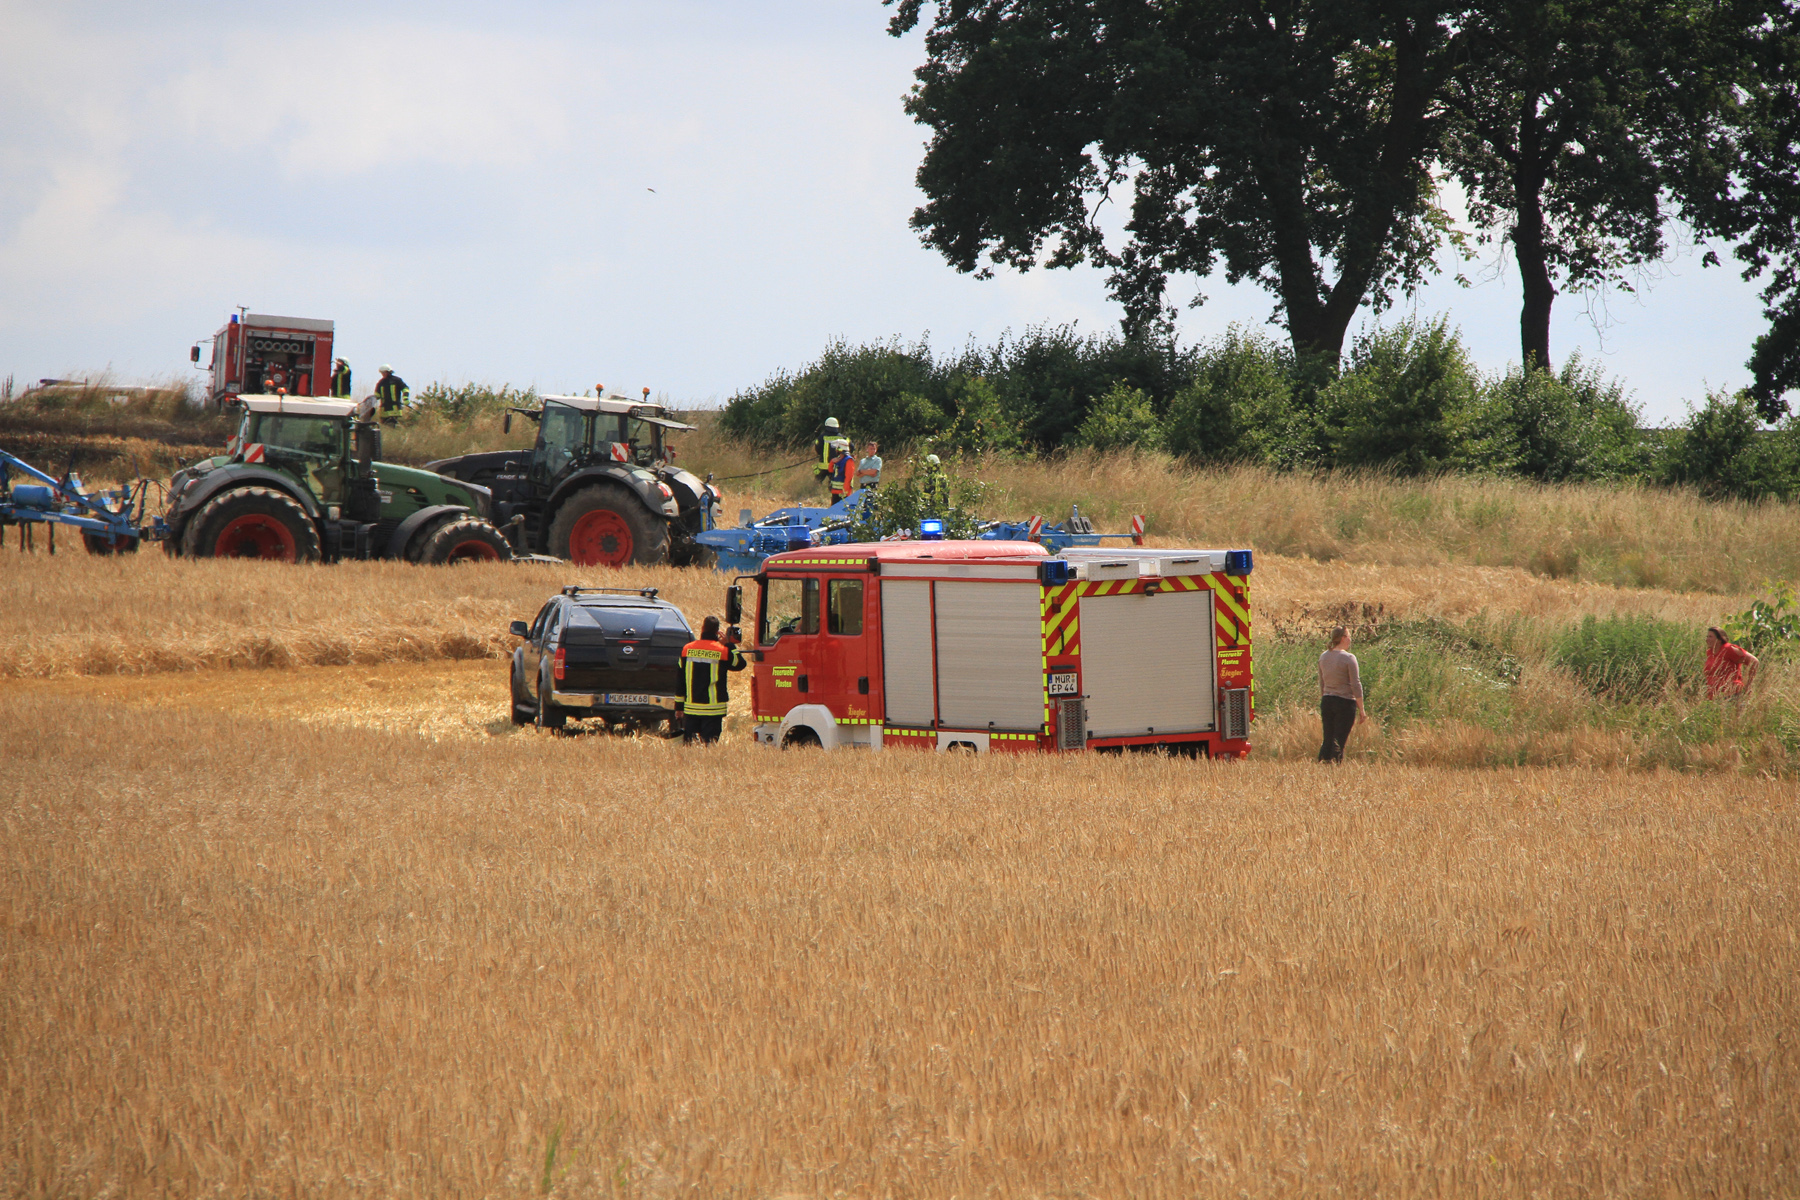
(1408, 402)
(1564, 427)
(1120, 420)
(1770, 628)
(896, 507)
(1241, 406)
(463, 404)
(1723, 450)
(1632, 658)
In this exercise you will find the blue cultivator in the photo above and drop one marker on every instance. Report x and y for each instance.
(110, 522)
(741, 551)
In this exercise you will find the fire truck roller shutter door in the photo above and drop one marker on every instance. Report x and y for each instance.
(990, 655)
(906, 652)
(1147, 663)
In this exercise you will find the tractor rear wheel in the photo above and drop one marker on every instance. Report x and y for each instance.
(464, 539)
(608, 527)
(253, 522)
(106, 543)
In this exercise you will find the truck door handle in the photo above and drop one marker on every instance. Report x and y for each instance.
(862, 684)
(803, 683)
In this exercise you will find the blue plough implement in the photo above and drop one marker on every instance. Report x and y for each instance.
(110, 522)
(741, 551)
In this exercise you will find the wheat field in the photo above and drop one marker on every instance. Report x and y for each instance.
(75, 614)
(246, 955)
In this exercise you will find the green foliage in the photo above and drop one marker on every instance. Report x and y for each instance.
(464, 403)
(1409, 401)
(1121, 420)
(925, 490)
(1563, 427)
(1242, 406)
(1769, 628)
(1723, 451)
(982, 424)
(885, 391)
(1631, 658)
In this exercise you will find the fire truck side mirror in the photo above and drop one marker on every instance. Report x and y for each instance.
(734, 604)
(194, 353)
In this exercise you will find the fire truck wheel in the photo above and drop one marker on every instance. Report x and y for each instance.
(463, 540)
(105, 543)
(253, 522)
(800, 735)
(608, 527)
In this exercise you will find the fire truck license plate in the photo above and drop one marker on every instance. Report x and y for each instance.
(627, 698)
(1062, 683)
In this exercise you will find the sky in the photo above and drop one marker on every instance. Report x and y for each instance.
(683, 195)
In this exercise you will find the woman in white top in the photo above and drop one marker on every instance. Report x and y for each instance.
(1340, 696)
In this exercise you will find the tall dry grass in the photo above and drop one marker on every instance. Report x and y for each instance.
(245, 959)
(1625, 535)
(1628, 536)
(75, 614)
(81, 615)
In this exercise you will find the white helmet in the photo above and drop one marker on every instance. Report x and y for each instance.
(831, 423)
(931, 459)
(387, 369)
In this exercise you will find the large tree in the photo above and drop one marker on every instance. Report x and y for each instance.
(1580, 128)
(1289, 141)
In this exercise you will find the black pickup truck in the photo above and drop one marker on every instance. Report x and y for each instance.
(609, 653)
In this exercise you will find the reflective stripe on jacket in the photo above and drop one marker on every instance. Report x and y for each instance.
(340, 383)
(704, 670)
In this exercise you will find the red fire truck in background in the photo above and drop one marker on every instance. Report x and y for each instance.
(254, 354)
(992, 645)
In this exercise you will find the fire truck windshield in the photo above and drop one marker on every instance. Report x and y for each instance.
(789, 606)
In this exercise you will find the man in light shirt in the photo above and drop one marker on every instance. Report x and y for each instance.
(868, 471)
(1340, 696)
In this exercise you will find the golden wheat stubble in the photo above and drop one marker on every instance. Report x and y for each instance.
(243, 956)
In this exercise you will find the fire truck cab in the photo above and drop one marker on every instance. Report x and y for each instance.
(988, 646)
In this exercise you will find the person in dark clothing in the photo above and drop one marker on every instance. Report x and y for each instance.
(1340, 696)
(393, 395)
(706, 665)
(340, 379)
(827, 436)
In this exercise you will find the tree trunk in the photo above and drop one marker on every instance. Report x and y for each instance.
(1528, 241)
(1318, 323)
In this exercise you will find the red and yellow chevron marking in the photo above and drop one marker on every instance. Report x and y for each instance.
(1231, 621)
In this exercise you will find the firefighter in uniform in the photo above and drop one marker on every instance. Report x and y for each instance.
(936, 488)
(340, 379)
(393, 394)
(827, 436)
(843, 470)
(705, 669)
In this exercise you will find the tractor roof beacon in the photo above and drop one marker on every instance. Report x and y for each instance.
(598, 487)
(301, 481)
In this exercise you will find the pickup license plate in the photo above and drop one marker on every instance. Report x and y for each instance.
(626, 698)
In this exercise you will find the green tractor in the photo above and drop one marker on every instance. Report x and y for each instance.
(301, 482)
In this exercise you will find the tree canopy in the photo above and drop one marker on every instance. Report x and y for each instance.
(1288, 144)
(1298, 145)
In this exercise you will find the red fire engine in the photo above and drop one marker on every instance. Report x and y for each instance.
(993, 645)
(254, 353)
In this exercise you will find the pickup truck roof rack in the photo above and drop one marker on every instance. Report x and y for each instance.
(648, 593)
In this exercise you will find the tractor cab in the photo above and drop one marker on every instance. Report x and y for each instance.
(597, 487)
